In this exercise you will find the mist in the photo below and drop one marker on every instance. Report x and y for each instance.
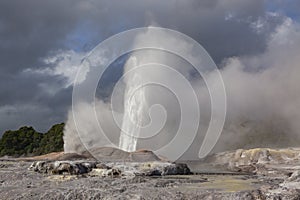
(263, 94)
(262, 100)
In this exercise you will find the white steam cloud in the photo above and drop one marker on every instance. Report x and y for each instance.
(263, 100)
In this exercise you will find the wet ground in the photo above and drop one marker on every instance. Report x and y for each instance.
(16, 182)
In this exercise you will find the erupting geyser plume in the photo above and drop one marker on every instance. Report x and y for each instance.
(134, 108)
(263, 101)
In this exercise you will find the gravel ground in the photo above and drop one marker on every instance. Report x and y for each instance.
(272, 179)
(17, 182)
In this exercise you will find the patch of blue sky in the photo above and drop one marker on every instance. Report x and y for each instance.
(289, 8)
(82, 37)
(88, 34)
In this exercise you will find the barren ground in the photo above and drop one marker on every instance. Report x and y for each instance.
(272, 182)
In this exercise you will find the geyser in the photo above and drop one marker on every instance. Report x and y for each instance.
(262, 100)
(134, 107)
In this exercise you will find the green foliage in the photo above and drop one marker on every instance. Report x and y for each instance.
(26, 141)
(53, 140)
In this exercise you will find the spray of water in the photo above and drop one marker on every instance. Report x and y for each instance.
(134, 108)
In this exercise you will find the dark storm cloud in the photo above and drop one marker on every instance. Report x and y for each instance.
(28, 99)
(224, 28)
(32, 30)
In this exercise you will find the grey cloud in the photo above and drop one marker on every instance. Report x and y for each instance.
(33, 30)
(27, 99)
(30, 29)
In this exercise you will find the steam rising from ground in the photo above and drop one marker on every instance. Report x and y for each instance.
(263, 98)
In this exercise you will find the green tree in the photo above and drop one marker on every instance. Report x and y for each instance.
(27, 141)
(53, 140)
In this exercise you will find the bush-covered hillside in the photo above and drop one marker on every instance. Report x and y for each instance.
(26, 141)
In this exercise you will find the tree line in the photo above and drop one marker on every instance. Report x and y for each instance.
(28, 142)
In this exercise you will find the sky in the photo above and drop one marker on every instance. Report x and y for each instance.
(43, 42)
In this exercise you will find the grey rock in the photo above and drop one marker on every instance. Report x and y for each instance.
(115, 169)
(62, 167)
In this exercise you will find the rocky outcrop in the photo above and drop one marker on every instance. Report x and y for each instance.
(62, 167)
(263, 161)
(93, 168)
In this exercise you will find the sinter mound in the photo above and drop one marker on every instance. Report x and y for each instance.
(101, 153)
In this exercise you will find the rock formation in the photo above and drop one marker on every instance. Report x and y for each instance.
(114, 169)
